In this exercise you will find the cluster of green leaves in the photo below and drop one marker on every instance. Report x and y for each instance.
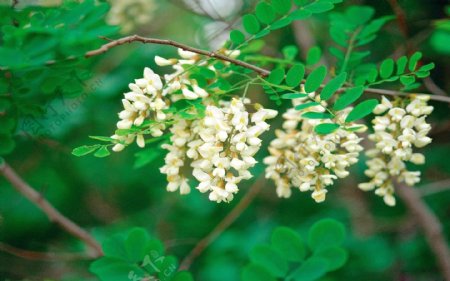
(42, 52)
(137, 256)
(289, 257)
(404, 69)
(275, 14)
(351, 30)
(279, 81)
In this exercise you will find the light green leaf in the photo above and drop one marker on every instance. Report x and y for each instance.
(282, 6)
(315, 79)
(306, 105)
(326, 128)
(84, 150)
(348, 97)
(295, 75)
(362, 110)
(251, 24)
(265, 13)
(276, 76)
(313, 56)
(237, 37)
(386, 68)
(293, 96)
(401, 65)
(413, 60)
(102, 152)
(332, 86)
(407, 80)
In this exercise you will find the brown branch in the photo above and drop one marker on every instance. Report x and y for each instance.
(430, 225)
(136, 38)
(224, 224)
(398, 93)
(434, 187)
(41, 256)
(53, 214)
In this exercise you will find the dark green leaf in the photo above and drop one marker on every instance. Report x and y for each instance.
(253, 272)
(362, 110)
(326, 128)
(270, 259)
(282, 6)
(295, 75)
(312, 269)
(289, 244)
(332, 86)
(315, 79)
(334, 256)
(276, 76)
(348, 97)
(325, 234)
(300, 14)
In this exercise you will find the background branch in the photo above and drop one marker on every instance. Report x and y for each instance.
(224, 224)
(52, 213)
(430, 225)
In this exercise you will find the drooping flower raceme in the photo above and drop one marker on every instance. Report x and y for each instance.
(144, 101)
(301, 158)
(399, 129)
(218, 149)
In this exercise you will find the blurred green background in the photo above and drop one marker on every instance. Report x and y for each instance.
(57, 109)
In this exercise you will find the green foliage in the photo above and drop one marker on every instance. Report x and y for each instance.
(288, 256)
(275, 14)
(315, 79)
(136, 256)
(351, 30)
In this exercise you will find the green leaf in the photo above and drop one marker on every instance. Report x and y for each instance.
(313, 56)
(320, 7)
(289, 244)
(253, 272)
(102, 138)
(306, 105)
(293, 96)
(387, 68)
(276, 76)
(407, 79)
(135, 245)
(334, 256)
(251, 24)
(84, 150)
(427, 67)
(362, 110)
(102, 152)
(348, 97)
(290, 52)
(146, 156)
(332, 86)
(401, 65)
(326, 128)
(295, 75)
(312, 269)
(315, 79)
(265, 13)
(316, 115)
(270, 259)
(237, 37)
(7, 144)
(282, 6)
(300, 14)
(413, 60)
(183, 276)
(326, 233)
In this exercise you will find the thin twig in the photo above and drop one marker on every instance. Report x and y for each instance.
(434, 187)
(430, 225)
(224, 224)
(52, 213)
(136, 38)
(261, 71)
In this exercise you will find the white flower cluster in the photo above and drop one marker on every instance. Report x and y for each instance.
(218, 149)
(397, 131)
(301, 158)
(144, 101)
(131, 14)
